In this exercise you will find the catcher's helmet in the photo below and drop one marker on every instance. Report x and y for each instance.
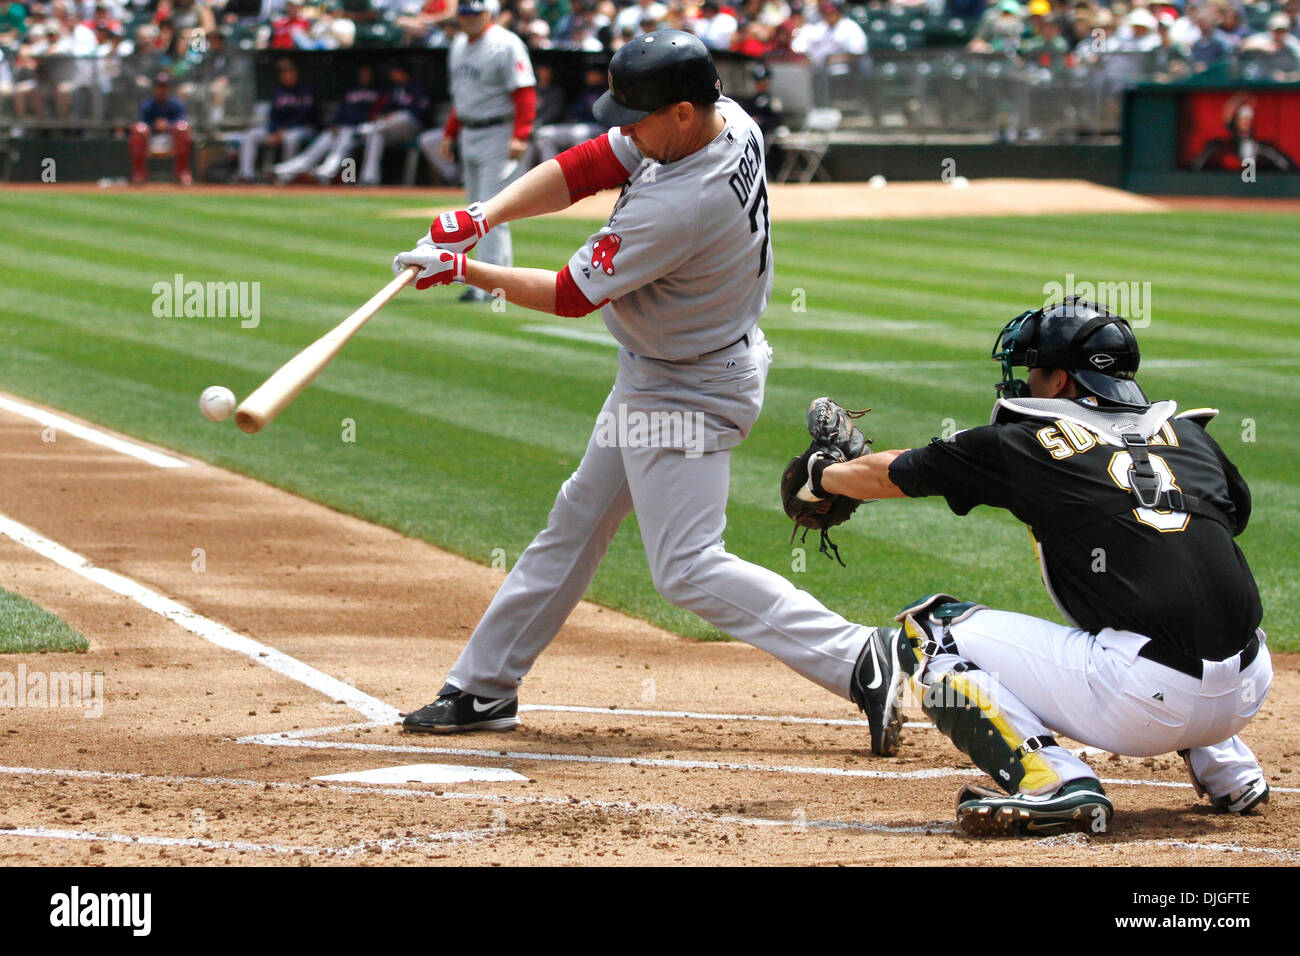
(653, 70)
(1096, 348)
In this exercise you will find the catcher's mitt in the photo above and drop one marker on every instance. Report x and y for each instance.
(835, 436)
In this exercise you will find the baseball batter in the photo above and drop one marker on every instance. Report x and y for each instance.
(1133, 510)
(493, 95)
(681, 273)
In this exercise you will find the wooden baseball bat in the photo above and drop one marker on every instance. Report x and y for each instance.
(259, 409)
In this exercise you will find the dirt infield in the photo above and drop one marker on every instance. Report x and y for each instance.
(300, 632)
(979, 197)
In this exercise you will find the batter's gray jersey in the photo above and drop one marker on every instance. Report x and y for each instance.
(484, 73)
(684, 265)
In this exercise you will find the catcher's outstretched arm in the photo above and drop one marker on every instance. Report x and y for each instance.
(865, 478)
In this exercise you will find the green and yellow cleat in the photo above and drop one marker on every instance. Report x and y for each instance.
(1080, 805)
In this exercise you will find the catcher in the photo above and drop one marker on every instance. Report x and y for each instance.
(1133, 508)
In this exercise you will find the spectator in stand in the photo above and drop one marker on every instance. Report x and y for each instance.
(1170, 59)
(402, 113)
(554, 13)
(1280, 45)
(631, 17)
(1099, 37)
(162, 128)
(1232, 24)
(755, 40)
(715, 26)
(1000, 29)
(1043, 41)
(186, 15)
(13, 23)
(833, 41)
(328, 151)
(293, 118)
(530, 27)
(287, 29)
(420, 26)
(1212, 46)
(28, 95)
(1142, 34)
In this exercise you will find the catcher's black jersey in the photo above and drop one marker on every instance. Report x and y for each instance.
(1176, 578)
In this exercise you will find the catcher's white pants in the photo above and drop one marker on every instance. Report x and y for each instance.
(1048, 678)
(680, 500)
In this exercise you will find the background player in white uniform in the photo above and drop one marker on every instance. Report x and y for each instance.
(1133, 511)
(493, 99)
(681, 272)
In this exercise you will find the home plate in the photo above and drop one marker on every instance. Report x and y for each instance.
(424, 773)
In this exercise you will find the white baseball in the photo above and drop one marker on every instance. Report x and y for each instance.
(877, 182)
(960, 182)
(216, 403)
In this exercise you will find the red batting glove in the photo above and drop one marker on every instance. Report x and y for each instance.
(437, 266)
(459, 231)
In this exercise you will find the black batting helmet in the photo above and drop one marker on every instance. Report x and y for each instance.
(653, 70)
(1096, 348)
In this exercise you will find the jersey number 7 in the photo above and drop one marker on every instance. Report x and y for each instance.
(760, 199)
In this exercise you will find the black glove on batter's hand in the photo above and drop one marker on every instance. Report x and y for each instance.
(834, 439)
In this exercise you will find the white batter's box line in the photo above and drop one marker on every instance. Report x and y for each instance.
(366, 846)
(302, 740)
(369, 707)
(628, 807)
(701, 715)
(59, 423)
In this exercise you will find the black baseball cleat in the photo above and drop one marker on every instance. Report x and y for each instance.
(1080, 805)
(474, 295)
(456, 712)
(883, 667)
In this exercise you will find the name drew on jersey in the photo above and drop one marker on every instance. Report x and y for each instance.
(1064, 439)
(748, 170)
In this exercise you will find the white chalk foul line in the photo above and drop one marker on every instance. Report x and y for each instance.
(301, 738)
(276, 740)
(370, 707)
(86, 433)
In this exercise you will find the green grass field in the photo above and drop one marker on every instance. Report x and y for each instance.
(26, 627)
(900, 315)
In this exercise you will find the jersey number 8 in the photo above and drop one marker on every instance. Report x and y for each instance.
(1167, 521)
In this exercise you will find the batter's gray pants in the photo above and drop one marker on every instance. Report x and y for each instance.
(486, 165)
(680, 501)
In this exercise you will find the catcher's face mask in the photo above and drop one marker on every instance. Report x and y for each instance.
(1011, 340)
